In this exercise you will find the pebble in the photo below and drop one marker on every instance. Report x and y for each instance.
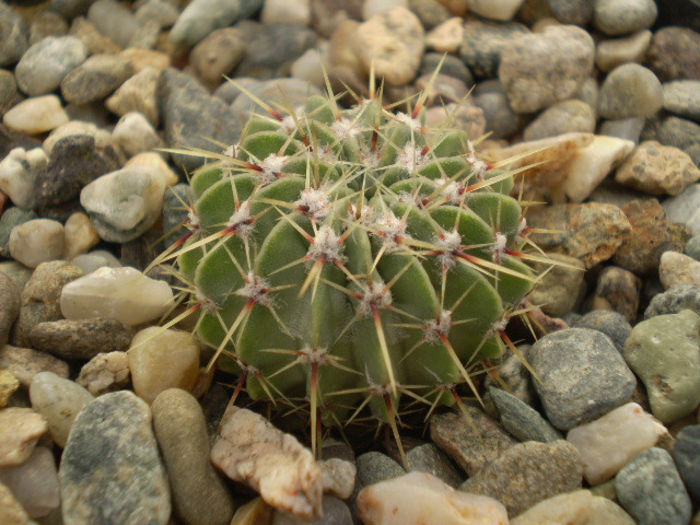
(59, 401)
(562, 117)
(612, 53)
(80, 235)
(681, 133)
(137, 93)
(576, 12)
(91, 37)
(18, 174)
(490, 97)
(374, 467)
(682, 97)
(25, 363)
(9, 96)
(135, 134)
(250, 450)
(579, 507)
(217, 55)
(96, 78)
(419, 497)
(283, 11)
(20, 430)
(393, 44)
(106, 372)
(19, 273)
(521, 420)
(611, 441)
(676, 268)
(621, 17)
(612, 324)
(692, 247)
(199, 494)
(34, 483)
(255, 512)
(46, 63)
(650, 489)
(8, 386)
(540, 69)
(483, 43)
(377, 7)
(102, 137)
(10, 302)
(619, 290)
(123, 204)
(515, 376)
(114, 20)
(11, 510)
(163, 12)
(89, 262)
(582, 376)
(663, 352)
(40, 297)
(335, 512)
(590, 232)
(686, 455)
(528, 473)
(133, 298)
(447, 36)
(13, 36)
(37, 241)
(36, 115)
(630, 90)
(593, 164)
(678, 297)
(111, 471)
(201, 17)
(674, 53)
(428, 458)
(502, 10)
(685, 208)
(161, 358)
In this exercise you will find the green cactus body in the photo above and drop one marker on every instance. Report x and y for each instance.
(350, 258)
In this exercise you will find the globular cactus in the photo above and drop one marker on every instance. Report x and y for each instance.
(340, 259)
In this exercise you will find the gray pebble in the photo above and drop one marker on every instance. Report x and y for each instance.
(71, 8)
(483, 43)
(12, 217)
(111, 471)
(692, 247)
(429, 458)
(612, 324)
(560, 118)
(686, 454)
(501, 121)
(650, 489)
(201, 17)
(630, 90)
(626, 128)
(25, 363)
(577, 12)
(681, 133)
(451, 66)
(96, 78)
(335, 512)
(10, 301)
(679, 297)
(47, 23)
(9, 96)
(373, 467)
(114, 20)
(620, 17)
(581, 376)
(47, 62)
(683, 98)
(13, 36)
(521, 420)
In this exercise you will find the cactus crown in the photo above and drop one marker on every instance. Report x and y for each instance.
(341, 259)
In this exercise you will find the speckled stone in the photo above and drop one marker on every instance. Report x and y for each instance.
(201, 17)
(428, 458)
(484, 41)
(650, 489)
(676, 268)
(111, 470)
(683, 98)
(521, 420)
(373, 467)
(577, 12)
(619, 290)
(612, 324)
(96, 78)
(562, 117)
(630, 90)
(8, 386)
(528, 473)
(686, 455)
(46, 63)
(674, 53)
(615, 17)
(678, 297)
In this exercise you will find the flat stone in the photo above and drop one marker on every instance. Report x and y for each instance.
(582, 376)
(611, 441)
(650, 489)
(630, 90)
(120, 293)
(34, 483)
(681, 97)
(521, 420)
(686, 455)
(338, 477)
(111, 470)
(201, 17)
(419, 497)
(250, 450)
(620, 18)
(612, 53)
(663, 352)
(540, 69)
(96, 78)
(46, 63)
(199, 494)
(612, 324)
(20, 430)
(528, 473)
(36, 115)
(472, 443)
(484, 42)
(37, 241)
(677, 268)
(685, 208)
(162, 358)
(138, 93)
(25, 363)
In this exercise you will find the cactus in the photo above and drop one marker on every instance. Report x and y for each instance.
(344, 260)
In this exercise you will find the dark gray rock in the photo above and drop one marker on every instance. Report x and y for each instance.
(612, 324)
(13, 36)
(581, 376)
(373, 467)
(12, 217)
(650, 489)
(10, 301)
(110, 470)
(274, 48)
(81, 338)
(528, 473)
(201, 17)
(521, 420)
(484, 42)
(451, 66)
(683, 296)
(501, 120)
(686, 454)
(191, 117)
(96, 78)
(428, 458)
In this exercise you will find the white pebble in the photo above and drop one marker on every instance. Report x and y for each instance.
(37, 241)
(36, 115)
(18, 171)
(135, 134)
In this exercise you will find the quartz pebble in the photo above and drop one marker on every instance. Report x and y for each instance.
(80, 235)
(34, 483)
(249, 449)
(338, 477)
(138, 93)
(135, 134)
(106, 372)
(677, 268)
(37, 241)
(20, 429)
(89, 262)
(121, 293)
(419, 497)
(36, 115)
(18, 173)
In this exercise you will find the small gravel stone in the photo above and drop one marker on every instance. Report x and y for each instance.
(89, 262)
(447, 36)
(374, 467)
(528, 473)
(663, 352)
(106, 372)
(9, 96)
(515, 376)
(419, 497)
(676, 298)
(20, 429)
(96, 78)
(11, 510)
(283, 11)
(137, 93)
(677, 268)
(338, 477)
(650, 489)
(25, 363)
(80, 235)
(503, 10)
(199, 495)
(612, 324)
(683, 98)
(8, 386)
(59, 401)
(685, 208)
(582, 376)
(135, 134)
(34, 483)
(616, 17)
(521, 420)
(91, 37)
(164, 12)
(501, 121)
(13, 36)
(201, 17)
(680, 133)
(483, 43)
(36, 115)
(217, 55)
(619, 290)
(577, 12)
(46, 63)
(574, 508)
(540, 69)
(18, 175)
(472, 443)
(335, 512)
(114, 20)
(612, 53)
(630, 90)
(674, 53)
(428, 458)
(37, 241)
(10, 302)
(162, 358)
(562, 117)
(111, 470)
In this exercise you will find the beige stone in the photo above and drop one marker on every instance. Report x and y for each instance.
(677, 268)
(36, 115)
(611, 53)
(20, 429)
(8, 386)
(11, 512)
(447, 37)
(79, 234)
